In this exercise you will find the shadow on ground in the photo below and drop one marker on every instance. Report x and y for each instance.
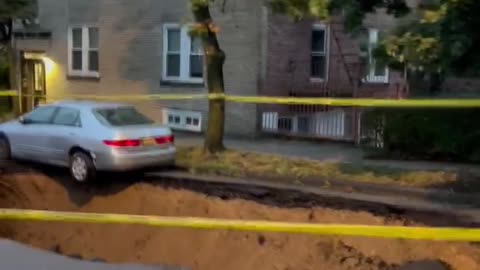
(79, 194)
(464, 191)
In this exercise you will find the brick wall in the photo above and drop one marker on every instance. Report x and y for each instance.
(288, 61)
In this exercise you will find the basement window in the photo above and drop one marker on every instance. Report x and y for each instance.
(183, 120)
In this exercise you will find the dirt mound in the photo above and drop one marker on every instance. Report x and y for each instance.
(24, 188)
(206, 249)
(15, 256)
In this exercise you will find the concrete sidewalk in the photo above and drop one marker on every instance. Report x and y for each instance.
(14, 256)
(425, 202)
(324, 151)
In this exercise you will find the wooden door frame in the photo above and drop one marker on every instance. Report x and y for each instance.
(28, 80)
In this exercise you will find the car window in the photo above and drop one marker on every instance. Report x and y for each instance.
(41, 115)
(121, 116)
(67, 117)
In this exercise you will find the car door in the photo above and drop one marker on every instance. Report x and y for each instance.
(62, 135)
(28, 140)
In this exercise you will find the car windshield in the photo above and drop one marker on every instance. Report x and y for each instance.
(121, 116)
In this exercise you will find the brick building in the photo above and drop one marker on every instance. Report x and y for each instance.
(143, 47)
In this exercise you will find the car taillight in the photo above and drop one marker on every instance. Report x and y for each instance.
(123, 143)
(165, 139)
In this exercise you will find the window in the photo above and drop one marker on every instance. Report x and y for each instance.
(83, 44)
(183, 120)
(319, 61)
(183, 55)
(377, 73)
(121, 116)
(41, 115)
(67, 117)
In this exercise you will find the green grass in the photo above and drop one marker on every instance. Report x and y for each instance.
(244, 164)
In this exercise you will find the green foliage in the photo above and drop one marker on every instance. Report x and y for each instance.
(195, 4)
(5, 105)
(442, 37)
(355, 10)
(11, 9)
(432, 134)
(17, 8)
(418, 52)
(299, 9)
(439, 36)
(4, 71)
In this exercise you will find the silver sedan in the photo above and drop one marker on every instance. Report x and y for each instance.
(87, 137)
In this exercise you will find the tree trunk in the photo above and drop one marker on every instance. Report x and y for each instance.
(214, 59)
(435, 83)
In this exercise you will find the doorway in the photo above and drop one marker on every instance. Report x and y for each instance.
(33, 81)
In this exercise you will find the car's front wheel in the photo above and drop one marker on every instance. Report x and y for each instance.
(4, 149)
(82, 168)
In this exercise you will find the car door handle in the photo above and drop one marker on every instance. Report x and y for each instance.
(71, 134)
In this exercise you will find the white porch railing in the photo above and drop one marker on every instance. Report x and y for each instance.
(330, 125)
(270, 121)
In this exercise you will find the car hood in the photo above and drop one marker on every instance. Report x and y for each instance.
(6, 126)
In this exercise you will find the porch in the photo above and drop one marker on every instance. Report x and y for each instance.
(337, 124)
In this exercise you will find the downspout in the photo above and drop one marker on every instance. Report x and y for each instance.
(406, 90)
(14, 74)
(263, 55)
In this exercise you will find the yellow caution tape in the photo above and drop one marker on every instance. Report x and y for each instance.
(339, 102)
(8, 93)
(360, 102)
(120, 97)
(392, 232)
(123, 97)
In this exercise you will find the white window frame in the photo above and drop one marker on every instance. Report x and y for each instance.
(185, 53)
(183, 115)
(84, 72)
(372, 43)
(326, 29)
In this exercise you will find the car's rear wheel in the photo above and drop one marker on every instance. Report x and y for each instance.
(4, 149)
(82, 168)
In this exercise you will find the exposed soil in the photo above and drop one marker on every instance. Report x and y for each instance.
(200, 249)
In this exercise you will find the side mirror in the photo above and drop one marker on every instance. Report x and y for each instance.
(22, 120)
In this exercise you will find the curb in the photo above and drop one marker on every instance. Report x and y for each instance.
(402, 203)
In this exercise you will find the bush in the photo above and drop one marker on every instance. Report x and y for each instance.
(4, 72)
(432, 134)
(5, 104)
